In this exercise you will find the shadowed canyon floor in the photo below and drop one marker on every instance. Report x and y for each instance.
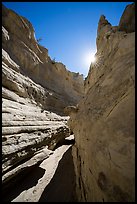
(43, 104)
(54, 174)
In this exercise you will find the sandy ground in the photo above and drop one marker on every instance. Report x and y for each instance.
(51, 181)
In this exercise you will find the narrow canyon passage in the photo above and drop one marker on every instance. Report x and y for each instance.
(53, 180)
(67, 137)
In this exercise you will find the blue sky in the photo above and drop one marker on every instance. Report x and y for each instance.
(68, 29)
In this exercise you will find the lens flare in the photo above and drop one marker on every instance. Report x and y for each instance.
(93, 59)
(89, 58)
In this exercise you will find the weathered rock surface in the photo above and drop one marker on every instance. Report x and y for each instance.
(104, 124)
(35, 90)
(127, 21)
(26, 131)
(38, 182)
(53, 86)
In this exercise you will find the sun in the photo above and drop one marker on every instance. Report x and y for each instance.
(93, 58)
(89, 58)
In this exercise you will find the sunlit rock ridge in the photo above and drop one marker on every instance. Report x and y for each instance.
(35, 90)
(26, 57)
(103, 122)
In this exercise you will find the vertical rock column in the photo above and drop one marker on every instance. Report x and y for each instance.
(104, 123)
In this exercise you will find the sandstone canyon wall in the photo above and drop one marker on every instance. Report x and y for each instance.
(104, 120)
(35, 90)
(26, 58)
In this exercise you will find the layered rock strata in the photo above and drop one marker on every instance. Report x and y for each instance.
(35, 90)
(104, 121)
(25, 59)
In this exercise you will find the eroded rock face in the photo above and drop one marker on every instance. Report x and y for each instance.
(27, 59)
(26, 130)
(127, 21)
(35, 90)
(104, 124)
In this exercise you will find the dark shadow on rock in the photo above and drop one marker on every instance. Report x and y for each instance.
(64, 142)
(22, 181)
(62, 186)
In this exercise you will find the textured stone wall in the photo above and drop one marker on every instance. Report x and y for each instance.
(104, 121)
(27, 58)
(35, 90)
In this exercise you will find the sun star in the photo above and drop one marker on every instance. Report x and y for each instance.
(93, 59)
(90, 58)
